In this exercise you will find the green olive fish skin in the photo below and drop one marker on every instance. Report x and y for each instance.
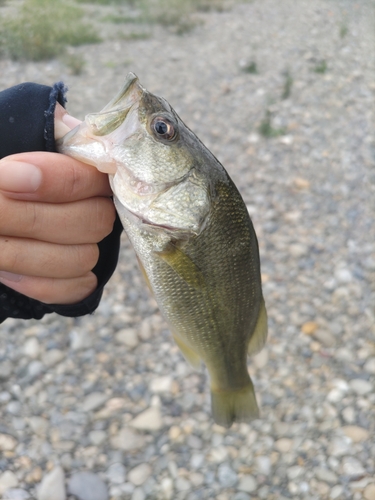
(191, 232)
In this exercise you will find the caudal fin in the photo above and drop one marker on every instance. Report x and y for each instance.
(234, 406)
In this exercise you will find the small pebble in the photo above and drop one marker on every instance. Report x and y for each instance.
(94, 401)
(87, 486)
(326, 475)
(52, 486)
(148, 420)
(284, 445)
(128, 337)
(8, 480)
(16, 494)
(127, 439)
(7, 442)
(248, 484)
(355, 433)
(369, 493)
(361, 387)
(139, 474)
(352, 467)
(370, 366)
(263, 464)
(6, 369)
(116, 473)
(31, 348)
(226, 475)
(52, 357)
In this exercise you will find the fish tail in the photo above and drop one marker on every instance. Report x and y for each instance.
(230, 406)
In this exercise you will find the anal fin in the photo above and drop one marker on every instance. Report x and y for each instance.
(259, 336)
(191, 356)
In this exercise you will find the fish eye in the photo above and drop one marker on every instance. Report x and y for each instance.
(163, 128)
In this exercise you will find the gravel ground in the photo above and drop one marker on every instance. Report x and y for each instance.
(107, 402)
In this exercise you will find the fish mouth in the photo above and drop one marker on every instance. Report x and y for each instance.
(104, 129)
(116, 111)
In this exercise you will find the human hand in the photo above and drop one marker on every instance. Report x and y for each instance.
(53, 212)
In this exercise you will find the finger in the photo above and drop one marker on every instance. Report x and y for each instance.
(87, 221)
(49, 260)
(50, 177)
(63, 121)
(54, 291)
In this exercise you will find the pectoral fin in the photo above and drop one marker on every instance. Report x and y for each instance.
(144, 274)
(191, 356)
(259, 337)
(182, 265)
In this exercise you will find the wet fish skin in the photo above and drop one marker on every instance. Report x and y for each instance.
(192, 235)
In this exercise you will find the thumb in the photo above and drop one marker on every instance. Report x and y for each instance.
(63, 122)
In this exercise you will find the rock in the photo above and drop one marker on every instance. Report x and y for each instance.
(94, 401)
(226, 475)
(197, 460)
(138, 494)
(128, 337)
(6, 369)
(52, 486)
(16, 494)
(355, 433)
(87, 486)
(326, 475)
(52, 357)
(7, 442)
(80, 339)
(352, 467)
(325, 337)
(370, 366)
(139, 474)
(343, 275)
(97, 437)
(263, 464)
(148, 420)
(161, 384)
(284, 445)
(247, 484)
(339, 446)
(241, 495)
(31, 348)
(166, 487)
(361, 387)
(369, 493)
(39, 425)
(182, 484)
(7, 480)
(348, 414)
(14, 407)
(116, 473)
(127, 440)
(336, 492)
(309, 328)
(35, 368)
(294, 472)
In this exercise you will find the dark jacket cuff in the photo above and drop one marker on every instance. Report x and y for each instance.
(27, 124)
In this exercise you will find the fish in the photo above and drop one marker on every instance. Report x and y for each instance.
(192, 235)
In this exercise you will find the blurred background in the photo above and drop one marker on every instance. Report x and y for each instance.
(105, 407)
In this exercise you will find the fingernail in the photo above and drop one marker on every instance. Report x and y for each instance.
(6, 276)
(19, 177)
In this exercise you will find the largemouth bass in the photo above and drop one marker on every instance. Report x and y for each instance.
(191, 232)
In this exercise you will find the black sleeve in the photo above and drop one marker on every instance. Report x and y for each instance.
(27, 124)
